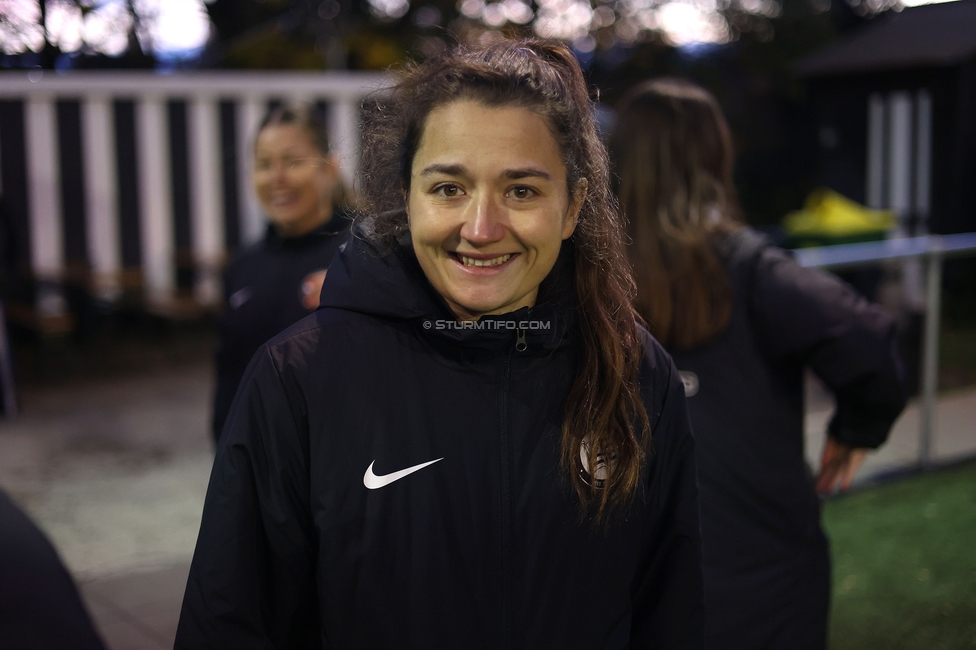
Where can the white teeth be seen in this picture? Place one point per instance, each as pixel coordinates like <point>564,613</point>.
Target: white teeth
<point>278,198</point>
<point>470,261</point>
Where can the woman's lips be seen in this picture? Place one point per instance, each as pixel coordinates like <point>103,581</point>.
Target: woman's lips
<point>493,261</point>
<point>280,198</point>
<point>483,263</point>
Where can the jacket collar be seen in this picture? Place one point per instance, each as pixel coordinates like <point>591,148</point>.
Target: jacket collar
<point>391,285</point>
<point>338,223</point>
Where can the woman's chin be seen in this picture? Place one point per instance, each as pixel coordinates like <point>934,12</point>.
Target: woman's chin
<point>290,223</point>
<point>474,307</point>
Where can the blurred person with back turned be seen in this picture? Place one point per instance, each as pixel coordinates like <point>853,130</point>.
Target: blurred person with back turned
<point>277,281</point>
<point>471,443</point>
<point>742,320</point>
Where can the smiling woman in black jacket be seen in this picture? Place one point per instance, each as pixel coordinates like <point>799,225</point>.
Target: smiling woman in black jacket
<point>276,281</point>
<point>471,444</point>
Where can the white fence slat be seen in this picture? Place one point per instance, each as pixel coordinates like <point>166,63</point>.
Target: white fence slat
<point>44,188</point>
<point>207,206</point>
<point>250,110</point>
<point>44,192</point>
<point>900,153</point>
<point>156,202</point>
<point>101,195</point>
<point>344,132</point>
<point>876,152</point>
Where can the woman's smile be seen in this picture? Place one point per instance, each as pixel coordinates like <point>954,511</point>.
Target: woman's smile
<point>474,262</point>
<point>282,199</point>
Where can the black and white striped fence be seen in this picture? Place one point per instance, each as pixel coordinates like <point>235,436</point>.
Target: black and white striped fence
<point>142,178</point>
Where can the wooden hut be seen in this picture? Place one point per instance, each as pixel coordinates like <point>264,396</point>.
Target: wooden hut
<point>896,111</point>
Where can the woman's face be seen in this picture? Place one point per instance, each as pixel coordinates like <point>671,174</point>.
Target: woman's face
<point>292,179</point>
<point>488,206</point>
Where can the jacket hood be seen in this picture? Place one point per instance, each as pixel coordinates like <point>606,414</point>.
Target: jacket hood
<point>390,284</point>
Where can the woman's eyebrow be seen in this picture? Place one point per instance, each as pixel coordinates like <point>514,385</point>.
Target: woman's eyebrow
<point>527,172</point>
<point>449,170</point>
<point>461,170</point>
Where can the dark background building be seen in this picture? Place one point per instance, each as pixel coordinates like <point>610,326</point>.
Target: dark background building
<point>895,104</point>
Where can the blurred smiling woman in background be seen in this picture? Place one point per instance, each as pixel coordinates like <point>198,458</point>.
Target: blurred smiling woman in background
<point>277,281</point>
<point>392,478</point>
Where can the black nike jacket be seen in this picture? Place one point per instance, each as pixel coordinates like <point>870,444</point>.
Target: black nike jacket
<point>263,295</point>
<point>386,480</point>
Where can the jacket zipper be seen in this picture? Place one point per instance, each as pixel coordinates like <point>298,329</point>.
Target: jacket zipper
<point>520,344</point>
<point>506,487</point>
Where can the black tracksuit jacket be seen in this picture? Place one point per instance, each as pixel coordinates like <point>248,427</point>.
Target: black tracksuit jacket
<point>484,547</point>
<point>263,296</point>
<point>767,567</point>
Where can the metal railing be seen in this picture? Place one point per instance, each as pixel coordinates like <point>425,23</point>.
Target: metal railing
<point>933,249</point>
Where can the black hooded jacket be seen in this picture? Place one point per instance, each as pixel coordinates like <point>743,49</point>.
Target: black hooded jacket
<point>767,567</point>
<point>386,480</point>
<point>263,296</point>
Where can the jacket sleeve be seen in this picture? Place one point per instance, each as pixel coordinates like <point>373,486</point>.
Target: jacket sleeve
<point>668,596</point>
<point>810,317</point>
<point>251,582</point>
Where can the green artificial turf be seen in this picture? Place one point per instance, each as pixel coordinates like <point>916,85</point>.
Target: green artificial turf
<point>904,557</point>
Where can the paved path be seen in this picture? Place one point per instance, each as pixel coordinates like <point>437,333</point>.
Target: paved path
<point>115,472</point>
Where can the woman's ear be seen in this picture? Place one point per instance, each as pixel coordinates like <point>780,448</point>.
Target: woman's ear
<point>575,206</point>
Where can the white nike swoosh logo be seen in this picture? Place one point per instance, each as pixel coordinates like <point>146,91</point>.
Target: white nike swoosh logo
<point>374,482</point>
<point>239,297</point>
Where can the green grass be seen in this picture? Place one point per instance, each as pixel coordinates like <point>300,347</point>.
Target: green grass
<point>905,564</point>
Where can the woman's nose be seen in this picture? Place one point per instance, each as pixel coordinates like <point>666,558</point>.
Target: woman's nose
<point>484,222</point>
<point>279,171</point>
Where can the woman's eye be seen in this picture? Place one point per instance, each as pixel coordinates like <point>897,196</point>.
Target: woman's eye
<point>521,192</point>
<point>448,191</point>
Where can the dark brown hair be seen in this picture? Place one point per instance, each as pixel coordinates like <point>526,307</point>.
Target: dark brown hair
<point>304,116</point>
<point>604,407</point>
<point>673,154</point>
